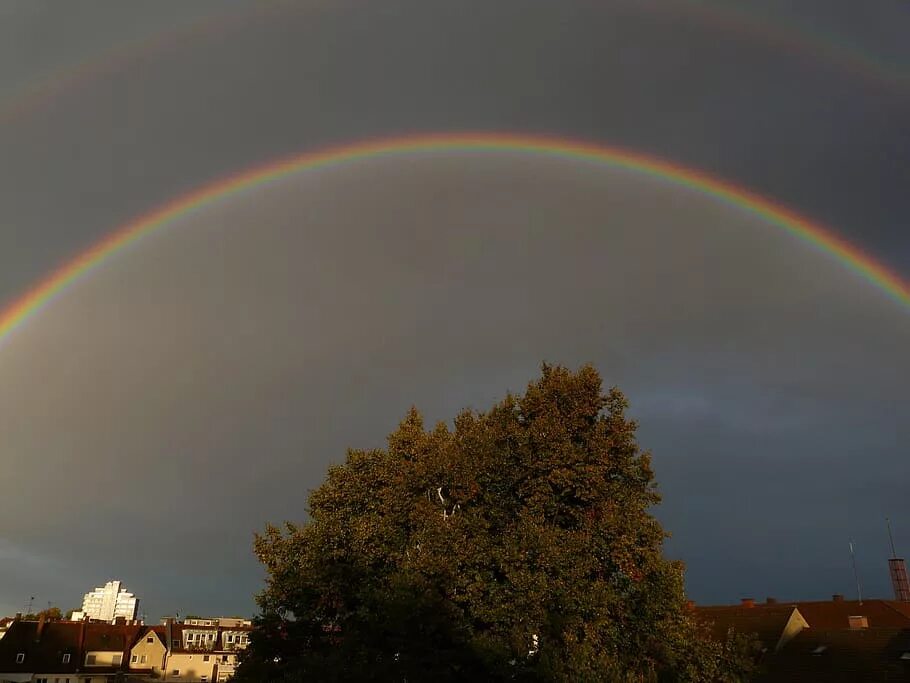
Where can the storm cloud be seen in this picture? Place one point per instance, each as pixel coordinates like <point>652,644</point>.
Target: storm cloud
<point>198,384</point>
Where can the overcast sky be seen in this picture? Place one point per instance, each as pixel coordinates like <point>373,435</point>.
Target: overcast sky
<point>197,385</point>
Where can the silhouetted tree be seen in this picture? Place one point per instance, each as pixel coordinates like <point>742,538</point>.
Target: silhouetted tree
<point>517,546</point>
<point>50,614</point>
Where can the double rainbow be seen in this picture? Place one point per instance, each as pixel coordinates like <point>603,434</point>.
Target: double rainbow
<point>16,314</point>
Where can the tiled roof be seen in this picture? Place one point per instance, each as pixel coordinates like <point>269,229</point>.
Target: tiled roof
<point>44,655</point>
<point>842,656</point>
<point>110,638</point>
<point>767,622</point>
<point>834,614</point>
<point>156,631</point>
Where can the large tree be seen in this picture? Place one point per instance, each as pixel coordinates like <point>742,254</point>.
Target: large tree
<point>518,545</point>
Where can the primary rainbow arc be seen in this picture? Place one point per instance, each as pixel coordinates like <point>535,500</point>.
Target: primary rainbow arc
<point>26,306</point>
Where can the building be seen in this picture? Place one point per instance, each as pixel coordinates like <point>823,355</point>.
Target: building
<point>199,650</point>
<point>98,652</point>
<point>107,603</point>
<point>842,656</point>
<point>836,641</point>
<point>772,624</point>
<point>39,651</point>
<point>64,651</point>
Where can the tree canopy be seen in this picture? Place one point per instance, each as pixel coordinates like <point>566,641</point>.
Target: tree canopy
<point>51,614</point>
<point>517,545</point>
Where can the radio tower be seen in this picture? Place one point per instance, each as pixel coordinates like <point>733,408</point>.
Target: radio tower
<point>898,569</point>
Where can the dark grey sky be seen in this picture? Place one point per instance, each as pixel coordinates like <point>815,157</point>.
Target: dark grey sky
<point>197,386</point>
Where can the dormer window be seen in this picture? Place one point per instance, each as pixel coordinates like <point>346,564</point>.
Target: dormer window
<point>819,649</point>
<point>20,657</point>
<point>858,622</point>
<point>66,658</point>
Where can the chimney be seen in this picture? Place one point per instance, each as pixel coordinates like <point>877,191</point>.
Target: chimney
<point>169,632</point>
<point>748,602</point>
<point>899,579</point>
<point>770,601</point>
<point>80,655</point>
<point>837,597</point>
<point>42,619</point>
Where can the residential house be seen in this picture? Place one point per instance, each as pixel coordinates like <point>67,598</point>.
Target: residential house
<point>839,613</point>
<point>774,625</point>
<point>841,655</point>
<point>837,640</point>
<point>188,652</point>
<point>44,652</point>
<point>148,656</point>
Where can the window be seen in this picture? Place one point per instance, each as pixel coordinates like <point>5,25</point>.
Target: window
<point>142,659</point>
<point>118,659</point>
<point>205,658</point>
<point>134,659</point>
<point>66,658</point>
<point>191,637</point>
<point>89,660</point>
<point>204,678</point>
<point>175,672</point>
<point>230,637</point>
<point>20,657</point>
<point>857,622</point>
<point>150,639</point>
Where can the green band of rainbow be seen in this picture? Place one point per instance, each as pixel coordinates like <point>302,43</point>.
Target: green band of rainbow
<point>825,240</point>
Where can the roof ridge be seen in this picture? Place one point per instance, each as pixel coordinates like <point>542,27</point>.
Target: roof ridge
<point>895,609</point>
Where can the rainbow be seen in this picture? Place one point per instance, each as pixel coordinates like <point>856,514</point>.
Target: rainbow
<point>25,307</point>
<point>721,16</point>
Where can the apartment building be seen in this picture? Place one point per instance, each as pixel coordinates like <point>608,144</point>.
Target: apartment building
<point>108,602</point>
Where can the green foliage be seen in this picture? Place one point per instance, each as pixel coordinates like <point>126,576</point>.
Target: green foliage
<point>50,614</point>
<point>517,546</point>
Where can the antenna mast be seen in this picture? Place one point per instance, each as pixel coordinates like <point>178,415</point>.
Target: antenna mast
<point>890,537</point>
<point>859,589</point>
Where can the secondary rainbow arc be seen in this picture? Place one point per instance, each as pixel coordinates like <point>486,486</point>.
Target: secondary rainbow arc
<point>27,305</point>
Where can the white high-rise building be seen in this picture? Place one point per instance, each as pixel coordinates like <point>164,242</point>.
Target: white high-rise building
<point>108,602</point>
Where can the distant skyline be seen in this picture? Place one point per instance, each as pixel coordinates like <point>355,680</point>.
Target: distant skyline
<point>196,386</point>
